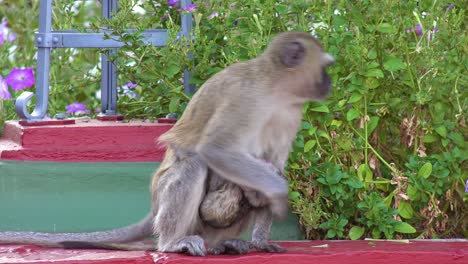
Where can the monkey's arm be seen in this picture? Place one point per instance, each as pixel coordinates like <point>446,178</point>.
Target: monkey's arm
<point>223,147</point>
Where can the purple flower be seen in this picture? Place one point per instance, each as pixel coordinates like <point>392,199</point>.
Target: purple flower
<point>173,3</point>
<point>4,93</point>
<point>131,85</point>
<point>451,6</point>
<point>189,8</point>
<point>418,29</point>
<point>213,15</point>
<point>77,108</point>
<point>466,186</point>
<point>126,90</point>
<point>5,32</point>
<point>20,78</point>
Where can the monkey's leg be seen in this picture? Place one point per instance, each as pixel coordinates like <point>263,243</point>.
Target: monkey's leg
<point>231,247</point>
<point>180,192</point>
<point>261,232</point>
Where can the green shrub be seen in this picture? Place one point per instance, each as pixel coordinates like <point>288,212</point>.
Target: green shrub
<point>383,157</point>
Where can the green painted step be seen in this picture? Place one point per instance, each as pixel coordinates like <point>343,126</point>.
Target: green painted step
<point>77,197</point>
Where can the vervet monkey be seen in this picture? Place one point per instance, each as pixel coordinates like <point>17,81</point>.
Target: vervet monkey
<point>225,157</point>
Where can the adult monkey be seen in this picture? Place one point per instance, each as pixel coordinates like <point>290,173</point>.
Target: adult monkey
<point>224,160</point>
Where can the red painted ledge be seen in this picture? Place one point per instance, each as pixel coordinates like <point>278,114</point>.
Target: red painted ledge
<point>301,252</point>
<point>86,140</point>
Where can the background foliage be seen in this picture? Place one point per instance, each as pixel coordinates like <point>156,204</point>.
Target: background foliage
<point>383,157</point>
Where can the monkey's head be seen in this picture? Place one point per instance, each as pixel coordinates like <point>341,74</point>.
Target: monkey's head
<point>300,61</point>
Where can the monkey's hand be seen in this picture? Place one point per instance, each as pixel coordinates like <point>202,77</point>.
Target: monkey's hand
<point>264,246</point>
<point>279,205</point>
<point>248,172</point>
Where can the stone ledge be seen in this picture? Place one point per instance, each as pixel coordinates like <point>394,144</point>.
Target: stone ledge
<point>89,140</point>
<point>298,252</point>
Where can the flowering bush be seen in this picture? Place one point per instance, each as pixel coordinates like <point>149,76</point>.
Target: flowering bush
<point>383,157</point>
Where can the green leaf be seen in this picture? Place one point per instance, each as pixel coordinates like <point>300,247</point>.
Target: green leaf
<point>371,83</point>
<point>336,123</point>
<point>356,232</point>
<point>331,233</point>
<point>354,183</point>
<point>212,70</point>
<point>321,108</point>
<point>458,139</point>
<point>372,65</point>
<point>405,228</point>
<point>305,125</point>
<point>354,98</point>
<point>294,166</point>
<point>444,142</point>
<point>322,181</point>
<point>405,209</point>
<point>294,196</point>
<point>394,64</point>
<point>282,9</point>
<point>309,145</point>
<point>374,73</point>
<point>425,170</point>
<point>430,138</point>
<point>385,28</point>
<point>441,130</point>
<point>323,134</point>
<point>372,54</point>
<point>343,221</point>
<point>413,193</point>
<point>171,70</point>
<point>373,122</point>
<point>364,173</point>
<point>388,200</point>
<point>339,21</point>
<point>375,233</point>
<point>312,130</point>
<point>174,105</point>
<point>352,114</point>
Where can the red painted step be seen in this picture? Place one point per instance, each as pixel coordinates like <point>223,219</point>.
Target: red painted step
<point>317,252</point>
<point>92,140</point>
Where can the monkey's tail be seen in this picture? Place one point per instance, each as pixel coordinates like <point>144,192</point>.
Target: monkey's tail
<point>134,232</point>
<point>131,246</point>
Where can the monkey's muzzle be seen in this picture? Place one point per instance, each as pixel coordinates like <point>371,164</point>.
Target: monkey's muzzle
<point>324,86</point>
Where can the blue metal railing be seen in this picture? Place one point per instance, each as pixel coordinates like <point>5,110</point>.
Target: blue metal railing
<point>46,40</point>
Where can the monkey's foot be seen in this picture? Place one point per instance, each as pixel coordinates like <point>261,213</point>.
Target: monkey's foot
<point>231,247</point>
<point>192,245</point>
<point>264,246</point>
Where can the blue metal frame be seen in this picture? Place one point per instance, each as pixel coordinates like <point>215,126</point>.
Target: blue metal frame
<point>46,39</point>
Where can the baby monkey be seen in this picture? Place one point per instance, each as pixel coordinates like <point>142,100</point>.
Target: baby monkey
<point>223,168</point>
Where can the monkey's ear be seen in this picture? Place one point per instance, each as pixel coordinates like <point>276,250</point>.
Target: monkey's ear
<point>292,54</point>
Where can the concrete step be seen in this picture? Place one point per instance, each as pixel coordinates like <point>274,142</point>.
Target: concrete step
<point>8,145</point>
<point>298,252</point>
<point>86,140</point>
